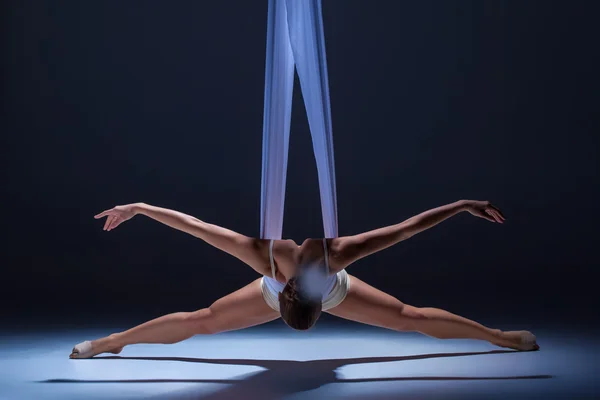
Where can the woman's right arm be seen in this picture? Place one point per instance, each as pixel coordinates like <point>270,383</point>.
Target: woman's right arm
<point>251,251</point>
<point>347,250</point>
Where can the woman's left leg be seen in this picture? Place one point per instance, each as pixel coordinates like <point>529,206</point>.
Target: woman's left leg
<point>241,309</point>
<point>369,305</point>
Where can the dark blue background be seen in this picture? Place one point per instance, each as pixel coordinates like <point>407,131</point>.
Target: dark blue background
<point>111,102</point>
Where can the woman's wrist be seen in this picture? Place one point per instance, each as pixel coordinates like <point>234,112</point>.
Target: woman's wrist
<point>463,205</point>
<point>138,208</point>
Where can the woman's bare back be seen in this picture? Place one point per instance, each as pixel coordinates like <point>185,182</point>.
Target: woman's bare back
<point>289,256</point>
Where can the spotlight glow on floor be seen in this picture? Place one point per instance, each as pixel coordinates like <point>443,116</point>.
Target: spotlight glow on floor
<point>265,363</point>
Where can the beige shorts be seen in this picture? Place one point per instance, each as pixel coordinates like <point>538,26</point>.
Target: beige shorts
<point>334,298</point>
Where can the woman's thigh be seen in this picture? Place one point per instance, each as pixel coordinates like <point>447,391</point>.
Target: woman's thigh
<point>241,309</point>
<point>369,305</point>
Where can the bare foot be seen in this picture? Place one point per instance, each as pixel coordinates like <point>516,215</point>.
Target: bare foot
<point>518,340</point>
<point>95,347</point>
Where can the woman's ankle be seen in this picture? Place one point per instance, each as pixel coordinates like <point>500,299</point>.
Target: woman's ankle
<point>498,336</point>
<point>498,333</point>
<point>112,341</point>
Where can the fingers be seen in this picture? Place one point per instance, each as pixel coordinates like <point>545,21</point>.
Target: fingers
<point>497,210</point>
<point>103,214</point>
<point>486,216</point>
<point>495,216</point>
<point>500,217</point>
<point>109,221</point>
<point>496,213</point>
<point>115,222</point>
<point>112,221</point>
<point>499,214</point>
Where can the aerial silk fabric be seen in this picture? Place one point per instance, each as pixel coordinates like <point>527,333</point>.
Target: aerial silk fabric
<point>295,39</point>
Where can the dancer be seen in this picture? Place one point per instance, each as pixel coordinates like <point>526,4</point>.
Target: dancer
<point>312,278</point>
<point>299,282</point>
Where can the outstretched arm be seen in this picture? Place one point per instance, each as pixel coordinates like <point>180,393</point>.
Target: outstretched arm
<point>249,250</point>
<point>346,250</point>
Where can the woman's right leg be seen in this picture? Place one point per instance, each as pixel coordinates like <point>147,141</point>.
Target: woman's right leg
<point>240,309</point>
<point>368,305</point>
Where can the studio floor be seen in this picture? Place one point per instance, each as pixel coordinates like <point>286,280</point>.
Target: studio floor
<point>275,363</point>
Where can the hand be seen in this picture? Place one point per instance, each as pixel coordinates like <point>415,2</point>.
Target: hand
<point>116,216</point>
<point>485,209</point>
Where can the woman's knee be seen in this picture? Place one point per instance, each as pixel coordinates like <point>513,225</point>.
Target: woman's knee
<point>202,322</point>
<point>410,319</point>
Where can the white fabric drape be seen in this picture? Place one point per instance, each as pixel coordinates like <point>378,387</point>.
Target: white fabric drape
<point>295,37</point>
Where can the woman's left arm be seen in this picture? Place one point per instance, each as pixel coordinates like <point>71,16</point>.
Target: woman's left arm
<point>346,250</point>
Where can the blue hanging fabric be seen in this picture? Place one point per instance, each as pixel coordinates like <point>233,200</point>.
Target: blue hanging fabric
<point>295,37</point>
<point>307,40</point>
<point>279,86</point>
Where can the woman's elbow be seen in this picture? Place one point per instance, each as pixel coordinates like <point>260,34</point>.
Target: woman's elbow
<point>346,250</point>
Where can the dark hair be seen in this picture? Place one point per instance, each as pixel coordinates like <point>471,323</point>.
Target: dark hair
<point>297,309</point>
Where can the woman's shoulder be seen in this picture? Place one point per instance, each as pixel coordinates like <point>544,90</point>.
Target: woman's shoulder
<point>310,249</point>
<point>284,244</point>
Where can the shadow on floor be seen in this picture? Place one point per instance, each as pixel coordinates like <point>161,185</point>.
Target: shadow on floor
<point>284,377</point>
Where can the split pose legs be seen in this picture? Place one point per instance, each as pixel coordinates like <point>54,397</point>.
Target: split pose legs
<point>246,307</point>
<point>364,303</point>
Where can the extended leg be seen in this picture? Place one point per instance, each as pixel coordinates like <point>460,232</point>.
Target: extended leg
<point>240,309</point>
<point>369,305</point>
